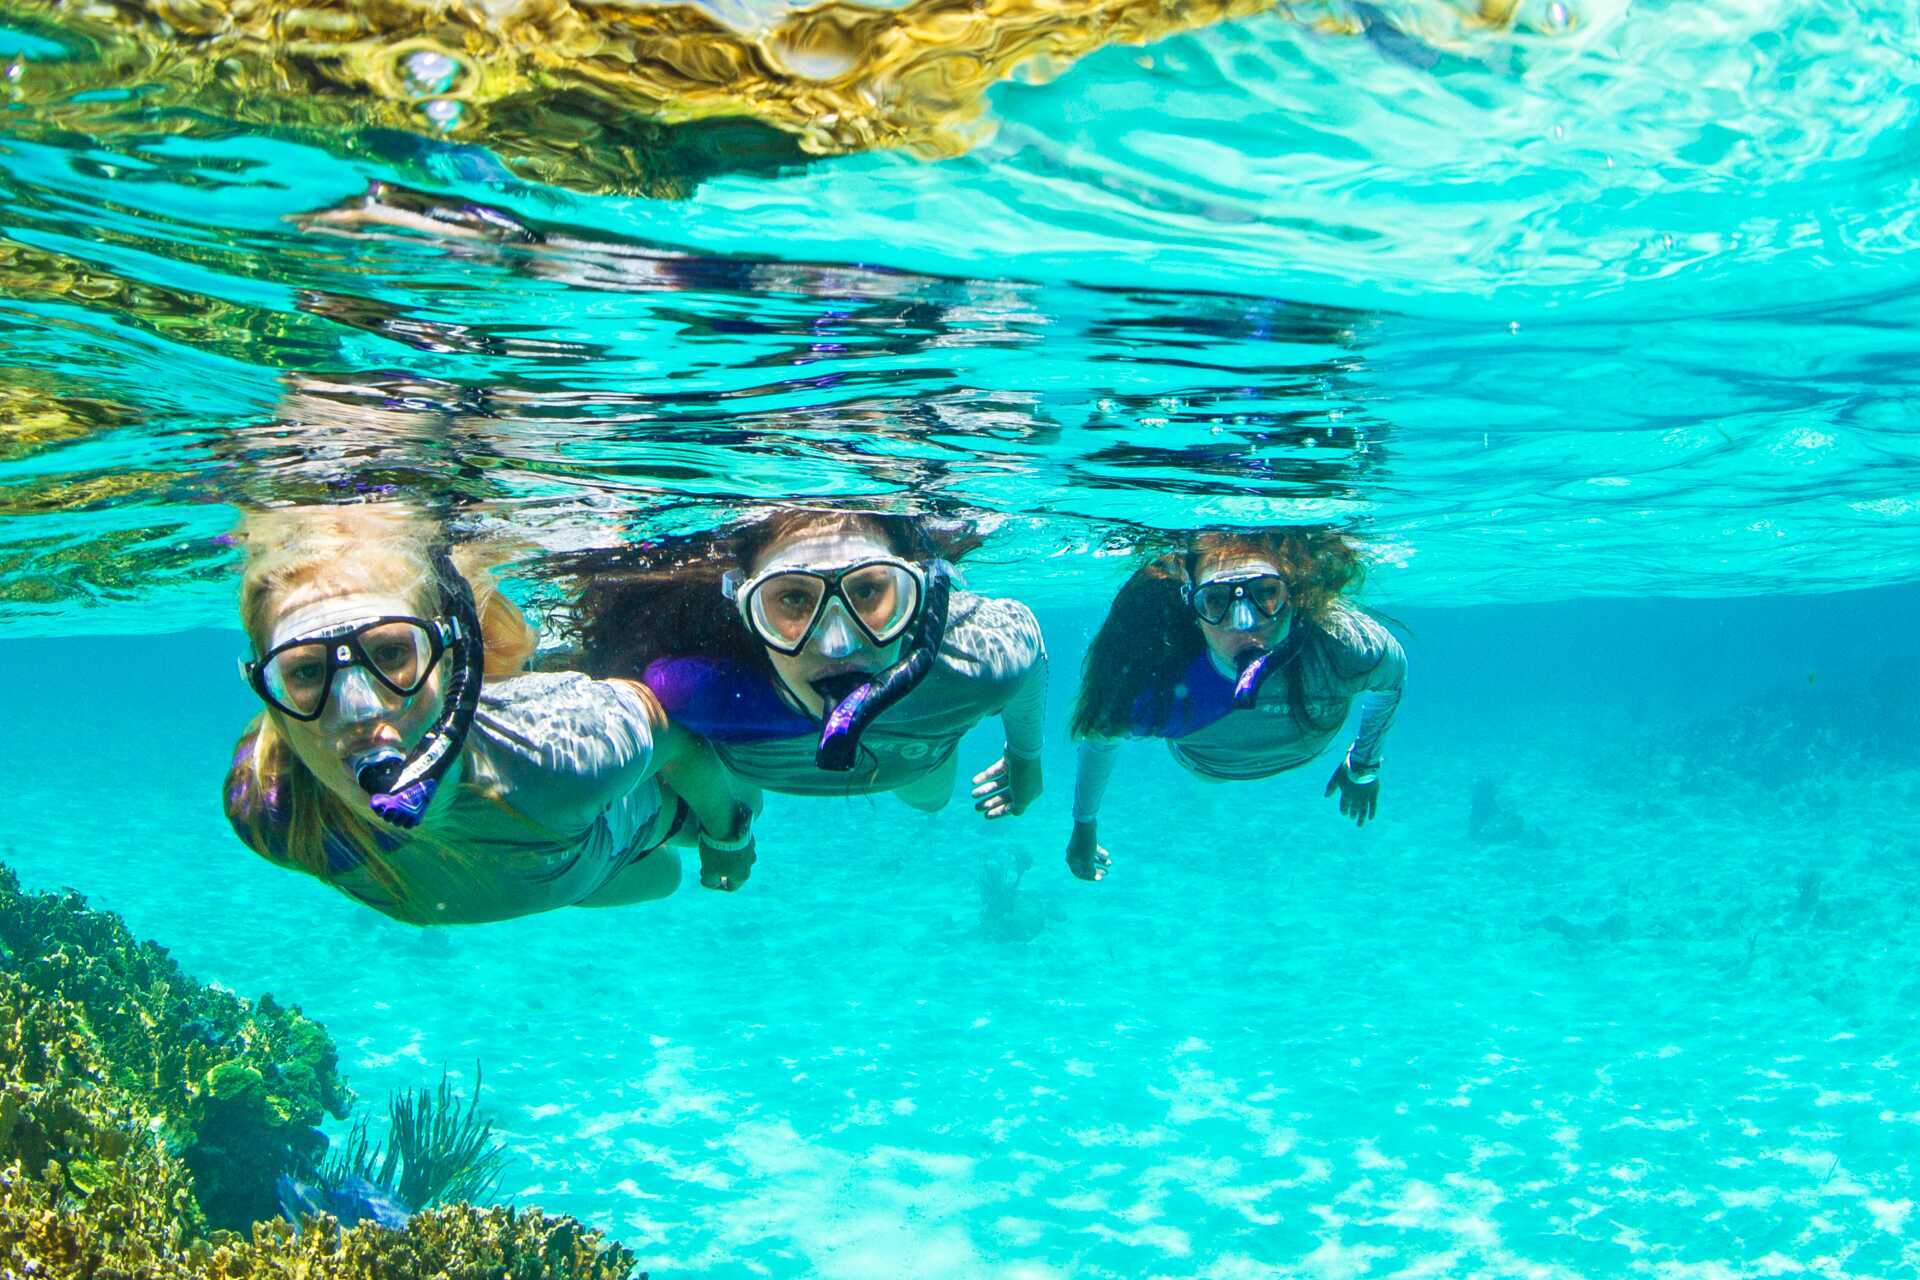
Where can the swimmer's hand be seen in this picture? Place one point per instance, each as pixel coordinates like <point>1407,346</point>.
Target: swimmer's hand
<point>1007,786</point>
<point>1358,800</point>
<point>726,864</point>
<point>1085,857</point>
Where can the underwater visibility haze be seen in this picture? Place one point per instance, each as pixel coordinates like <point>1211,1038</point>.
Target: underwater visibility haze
<point>1583,333</point>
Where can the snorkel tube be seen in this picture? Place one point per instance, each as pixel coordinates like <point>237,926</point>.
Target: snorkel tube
<point>1257,664</point>
<point>855,700</point>
<point>398,789</point>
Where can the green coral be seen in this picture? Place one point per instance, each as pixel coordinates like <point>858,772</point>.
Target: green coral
<point>112,1111</point>
<point>241,1089</point>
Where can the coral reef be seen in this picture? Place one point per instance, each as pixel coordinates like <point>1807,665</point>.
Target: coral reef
<point>1863,723</point>
<point>1003,916</point>
<point>240,1089</point>
<point>139,1109</point>
<point>1491,819</point>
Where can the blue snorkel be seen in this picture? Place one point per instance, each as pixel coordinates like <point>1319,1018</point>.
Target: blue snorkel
<point>856,700</point>
<point>399,789</point>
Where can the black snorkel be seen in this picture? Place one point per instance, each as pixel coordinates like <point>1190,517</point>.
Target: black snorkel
<point>400,789</point>
<point>855,699</point>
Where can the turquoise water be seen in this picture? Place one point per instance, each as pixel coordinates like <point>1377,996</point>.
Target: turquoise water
<point>1600,342</point>
<point>1267,1045</point>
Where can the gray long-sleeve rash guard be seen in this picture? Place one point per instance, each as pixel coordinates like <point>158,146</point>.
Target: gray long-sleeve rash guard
<point>555,797</point>
<point>1353,655</point>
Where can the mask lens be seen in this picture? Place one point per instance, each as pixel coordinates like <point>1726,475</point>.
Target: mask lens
<point>401,652</point>
<point>1213,600</point>
<point>297,677</point>
<point>1266,593</point>
<point>784,606</point>
<point>883,597</point>
<point>1269,594</point>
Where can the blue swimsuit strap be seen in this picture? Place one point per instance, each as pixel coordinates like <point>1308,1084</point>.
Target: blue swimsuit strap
<point>724,701</point>
<point>1203,697</point>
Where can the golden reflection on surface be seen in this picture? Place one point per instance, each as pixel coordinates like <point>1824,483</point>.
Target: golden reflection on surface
<point>599,96</point>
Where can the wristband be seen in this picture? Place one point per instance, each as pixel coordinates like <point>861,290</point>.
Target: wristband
<point>734,843</point>
<point>1362,779</point>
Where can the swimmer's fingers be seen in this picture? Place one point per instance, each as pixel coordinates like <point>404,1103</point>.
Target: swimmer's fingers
<point>993,794</point>
<point>1090,867</point>
<point>997,805</point>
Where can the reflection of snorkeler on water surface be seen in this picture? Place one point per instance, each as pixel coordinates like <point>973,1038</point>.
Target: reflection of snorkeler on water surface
<point>1243,653</point>
<point>884,311</point>
<point>826,653</point>
<point>334,436</point>
<point>405,759</point>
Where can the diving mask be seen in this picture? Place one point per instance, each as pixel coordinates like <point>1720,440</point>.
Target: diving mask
<point>1241,602</point>
<point>788,606</point>
<point>398,651</point>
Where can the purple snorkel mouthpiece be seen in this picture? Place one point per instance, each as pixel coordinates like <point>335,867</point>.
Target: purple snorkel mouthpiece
<point>840,735</point>
<point>1255,666</point>
<point>405,807</point>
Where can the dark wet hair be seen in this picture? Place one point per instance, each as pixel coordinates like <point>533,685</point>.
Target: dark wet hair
<point>663,599</point>
<point>1150,636</point>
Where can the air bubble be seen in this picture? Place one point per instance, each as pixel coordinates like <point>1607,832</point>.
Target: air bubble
<point>444,113</point>
<point>1559,19</point>
<point>429,72</point>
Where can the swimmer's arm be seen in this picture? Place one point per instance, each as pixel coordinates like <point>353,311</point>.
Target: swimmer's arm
<point>687,763</point>
<point>1097,758</point>
<point>1085,858</point>
<point>1025,715</point>
<point>1383,687</point>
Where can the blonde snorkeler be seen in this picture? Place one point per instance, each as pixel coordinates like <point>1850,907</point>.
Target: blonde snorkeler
<point>404,757</point>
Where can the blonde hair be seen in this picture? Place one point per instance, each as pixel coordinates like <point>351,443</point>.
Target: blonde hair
<point>275,803</point>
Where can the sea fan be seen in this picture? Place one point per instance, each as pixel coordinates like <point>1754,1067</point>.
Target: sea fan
<point>436,1151</point>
